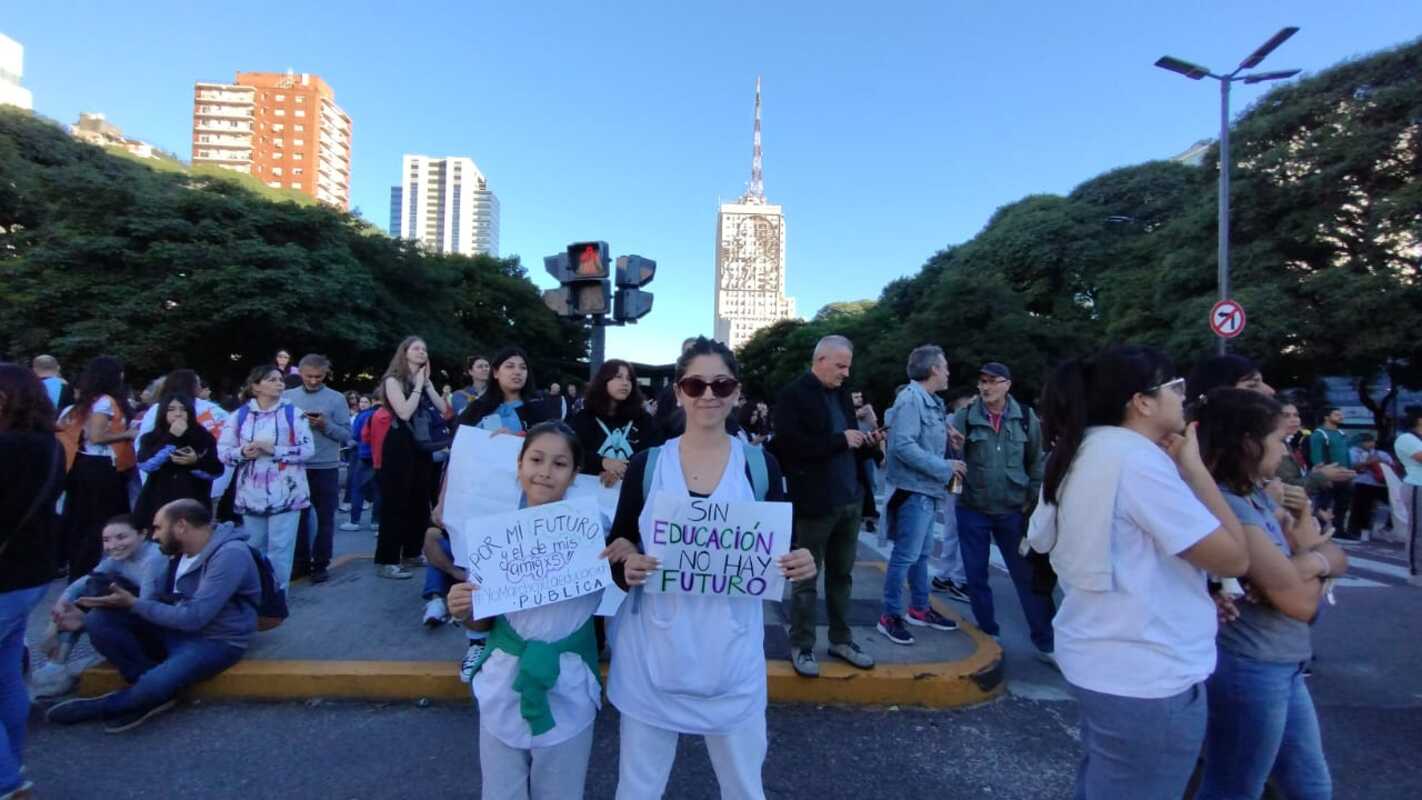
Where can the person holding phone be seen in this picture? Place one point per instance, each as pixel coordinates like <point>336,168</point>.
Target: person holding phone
<point>179,457</point>
<point>328,414</point>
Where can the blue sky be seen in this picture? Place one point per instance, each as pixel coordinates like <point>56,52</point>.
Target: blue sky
<point>890,130</point>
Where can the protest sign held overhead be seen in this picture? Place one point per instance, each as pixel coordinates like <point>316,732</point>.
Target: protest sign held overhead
<point>719,549</point>
<point>536,557</point>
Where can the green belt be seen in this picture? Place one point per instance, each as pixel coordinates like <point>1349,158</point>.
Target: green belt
<point>538,666</point>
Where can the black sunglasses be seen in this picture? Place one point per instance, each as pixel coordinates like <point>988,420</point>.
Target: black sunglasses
<point>696,387</point>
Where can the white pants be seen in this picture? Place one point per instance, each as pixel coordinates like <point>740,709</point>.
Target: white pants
<point>646,754</point>
<point>542,773</point>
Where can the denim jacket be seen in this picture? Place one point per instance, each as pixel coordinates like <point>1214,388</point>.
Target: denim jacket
<point>918,440</point>
<point>1004,465</point>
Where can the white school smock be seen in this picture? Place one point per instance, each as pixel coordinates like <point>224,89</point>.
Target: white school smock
<point>1153,634</point>
<point>689,663</point>
<point>574,699</point>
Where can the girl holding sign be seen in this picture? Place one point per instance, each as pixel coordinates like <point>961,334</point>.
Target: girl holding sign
<point>536,683</point>
<point>685,663</point>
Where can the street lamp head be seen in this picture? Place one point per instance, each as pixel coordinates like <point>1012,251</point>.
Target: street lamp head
<point>1271,76</point>
<point>1192,71</point>
<point>1268,47</point>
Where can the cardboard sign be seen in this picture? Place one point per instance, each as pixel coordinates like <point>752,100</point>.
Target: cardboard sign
<point>536,557</point>
<point>482,481</point>
<point>718,549</point>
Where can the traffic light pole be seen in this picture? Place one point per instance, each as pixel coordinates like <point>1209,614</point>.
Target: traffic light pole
<point>599,345</point>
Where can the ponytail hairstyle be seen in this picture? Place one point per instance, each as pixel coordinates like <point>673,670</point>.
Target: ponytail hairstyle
<point>1091,391</point>
<point>1233,427</point>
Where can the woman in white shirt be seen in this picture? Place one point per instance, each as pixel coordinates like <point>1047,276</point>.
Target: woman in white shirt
<point>1133,521</point>
<point>685,663</point>
<point>96,487</point>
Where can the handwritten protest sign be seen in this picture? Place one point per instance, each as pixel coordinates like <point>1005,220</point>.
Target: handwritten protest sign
<point>720,549</point>
<point>483,481</point>
<point>535,557</point>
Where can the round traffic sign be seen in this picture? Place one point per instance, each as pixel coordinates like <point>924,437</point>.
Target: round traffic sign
<point>1227,319</point>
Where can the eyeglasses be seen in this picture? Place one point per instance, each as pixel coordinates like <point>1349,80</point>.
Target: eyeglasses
<point>1176,385</point>
<point>692,386</point>
<point>985,381</point>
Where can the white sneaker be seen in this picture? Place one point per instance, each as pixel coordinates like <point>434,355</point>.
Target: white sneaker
<point>350,527</point>
<point>394,571</point>
<point>466,667</point>
<point>52,680</point>
<point>436,613</point>
<point>345,507</point>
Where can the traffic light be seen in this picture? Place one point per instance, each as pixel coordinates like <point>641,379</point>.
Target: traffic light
<point>582,269</point>
<point>631,303</point>
<point>588,283</point>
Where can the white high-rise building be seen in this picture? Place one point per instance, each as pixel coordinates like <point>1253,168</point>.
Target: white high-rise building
<point>446,205</point>
<point>12,69</point>
<point>750,259</point>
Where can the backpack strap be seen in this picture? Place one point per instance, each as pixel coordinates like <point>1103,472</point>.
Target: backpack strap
<point>759,472</point>
<point>242,413</point>
<point>652,454</point>
<point>291,424</point>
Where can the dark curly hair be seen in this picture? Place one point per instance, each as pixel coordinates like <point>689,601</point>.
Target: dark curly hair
<point>1234,426</point>
<point>24,404</point>
<point>101,376</point>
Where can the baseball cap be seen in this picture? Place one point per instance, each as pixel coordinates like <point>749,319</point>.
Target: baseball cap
<point>996,369</point>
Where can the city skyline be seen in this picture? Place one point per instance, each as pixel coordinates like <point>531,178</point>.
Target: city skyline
<point>894,134</point>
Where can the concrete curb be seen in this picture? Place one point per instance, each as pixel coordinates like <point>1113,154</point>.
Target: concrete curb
<point>943,684</point>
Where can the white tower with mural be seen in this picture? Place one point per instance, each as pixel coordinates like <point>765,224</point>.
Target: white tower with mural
<point>750,259</point>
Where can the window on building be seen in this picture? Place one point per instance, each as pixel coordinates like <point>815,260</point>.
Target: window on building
<point>280,112</point>
<point>298,171</point>
<point>277,126</point>
<point>280,97</point>
<point>297,156</point>
<point>298,142</point>
<point>300,128</point>
<point>274,184</point>
<point>301,98</point>
<point>300,112</point>
<point>295,185</point>
<point>276,155</point>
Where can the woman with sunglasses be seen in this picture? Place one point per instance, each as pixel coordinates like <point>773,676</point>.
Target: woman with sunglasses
<point>1133,521</point>
<point>686,663</point>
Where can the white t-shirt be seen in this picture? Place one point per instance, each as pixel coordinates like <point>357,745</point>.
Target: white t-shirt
<point>574,699</point>
<point>1407,446</point>
<point>185,565</point>
<point>1153,634</point>
<point>104,405</point>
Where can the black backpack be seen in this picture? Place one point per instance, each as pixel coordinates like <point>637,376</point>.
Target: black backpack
<point>271,605</point>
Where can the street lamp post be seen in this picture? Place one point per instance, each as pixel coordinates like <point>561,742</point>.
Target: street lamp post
<point>1195,72</point>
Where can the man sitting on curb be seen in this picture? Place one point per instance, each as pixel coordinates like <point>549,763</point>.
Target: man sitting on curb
<point>196,626</point>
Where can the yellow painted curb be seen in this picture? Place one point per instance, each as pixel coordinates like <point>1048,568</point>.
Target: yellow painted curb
<point>946,684</point>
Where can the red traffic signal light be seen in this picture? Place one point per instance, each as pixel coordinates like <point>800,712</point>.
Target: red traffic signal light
<point>588,260</point>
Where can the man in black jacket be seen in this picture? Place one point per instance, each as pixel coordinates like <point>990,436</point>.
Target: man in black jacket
<point>822,451</point>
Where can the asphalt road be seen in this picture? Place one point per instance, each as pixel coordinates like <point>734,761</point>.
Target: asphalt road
<point>1367,686</point>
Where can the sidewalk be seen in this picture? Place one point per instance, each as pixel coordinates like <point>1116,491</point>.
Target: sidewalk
<point>360,636</point>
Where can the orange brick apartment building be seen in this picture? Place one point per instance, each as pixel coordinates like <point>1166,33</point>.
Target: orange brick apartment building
<point>283,128</point>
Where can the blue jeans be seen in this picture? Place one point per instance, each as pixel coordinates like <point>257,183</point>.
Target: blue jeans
<point>952,553</point>
<point>437,581</point>
<point>15,610</point>
<point>363,485</point>
<point>325,499</point>
<point>1143,749</point>
<point>976,533</point>
<point>274,536</point>
<point>1262,723</point>
<point>911,528</point>
<point>158,662</point>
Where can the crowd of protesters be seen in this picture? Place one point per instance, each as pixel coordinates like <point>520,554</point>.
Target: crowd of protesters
<point>1185,525</point>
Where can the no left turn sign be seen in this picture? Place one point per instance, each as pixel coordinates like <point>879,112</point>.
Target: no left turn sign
<point>1227,319</point>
